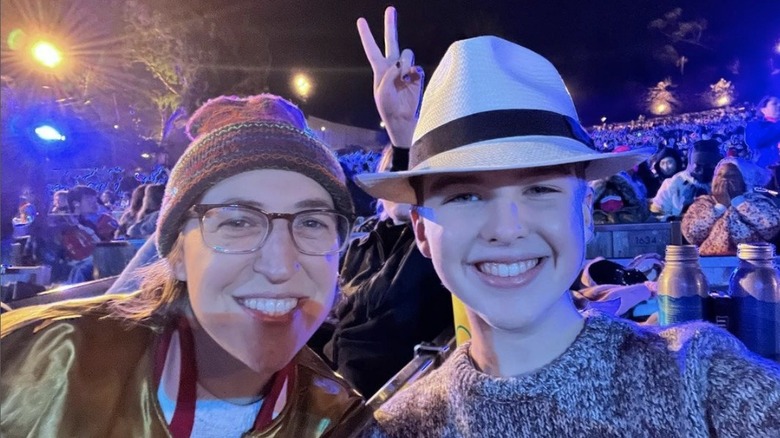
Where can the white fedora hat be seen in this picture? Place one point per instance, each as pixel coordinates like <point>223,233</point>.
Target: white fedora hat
<point>494,105</point>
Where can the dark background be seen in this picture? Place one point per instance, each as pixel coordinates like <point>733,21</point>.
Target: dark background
<point>603,49</point>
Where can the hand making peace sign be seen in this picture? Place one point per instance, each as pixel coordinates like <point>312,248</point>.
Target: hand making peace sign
<point>398,83</point>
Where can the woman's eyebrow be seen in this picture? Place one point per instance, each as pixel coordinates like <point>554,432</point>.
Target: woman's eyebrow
<point>304,204</point>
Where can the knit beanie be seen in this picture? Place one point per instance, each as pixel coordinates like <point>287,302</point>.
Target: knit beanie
<point>231,135</point>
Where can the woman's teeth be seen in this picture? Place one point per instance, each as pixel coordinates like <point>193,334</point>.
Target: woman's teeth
<point>270,306</point>
<point>506,269</point>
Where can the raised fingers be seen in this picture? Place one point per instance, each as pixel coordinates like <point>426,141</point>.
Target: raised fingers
<point>391,34</point>
<point>370,47</point>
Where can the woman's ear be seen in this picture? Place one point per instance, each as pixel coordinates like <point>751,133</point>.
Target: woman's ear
<point>179,271</point>
<point>418,225</point>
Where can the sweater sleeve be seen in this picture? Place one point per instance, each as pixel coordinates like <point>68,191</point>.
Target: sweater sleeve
<point>699,220</point>
<point>742,396</point>
<point>757,215</point>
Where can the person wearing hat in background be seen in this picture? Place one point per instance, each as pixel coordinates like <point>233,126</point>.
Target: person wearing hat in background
<point>497,174</point>
<point>254,216</point>
<point>733,213</point>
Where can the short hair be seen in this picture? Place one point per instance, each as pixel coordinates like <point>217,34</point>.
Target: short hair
<point>77,193</point>
<point>706,147</point>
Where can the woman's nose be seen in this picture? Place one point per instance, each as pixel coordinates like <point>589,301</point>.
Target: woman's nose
<point>278,258</point>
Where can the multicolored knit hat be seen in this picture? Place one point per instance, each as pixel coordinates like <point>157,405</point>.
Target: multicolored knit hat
<point>232,135</point>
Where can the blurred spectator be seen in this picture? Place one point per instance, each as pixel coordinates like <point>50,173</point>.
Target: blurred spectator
<point>131,212</point>
<point>677,193</point>
<point>24,217</point>
<point>763,136</point>
<point>733,213</point>
<point>619,199</point>
<point>662,165</point>
<point>146,220</point>
<point>60,203</point>
<point>108,200</point>
<point>83,202</point>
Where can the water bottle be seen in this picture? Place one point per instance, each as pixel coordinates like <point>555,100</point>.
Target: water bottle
<point>755,290</point>
<point>682,286</point>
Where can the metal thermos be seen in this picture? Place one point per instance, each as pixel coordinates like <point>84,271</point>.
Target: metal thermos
<point>755,291</point>
<point>682,286</point>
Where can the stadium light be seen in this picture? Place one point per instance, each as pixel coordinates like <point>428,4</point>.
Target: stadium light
<point>49,133</point>
<point>46,53</point>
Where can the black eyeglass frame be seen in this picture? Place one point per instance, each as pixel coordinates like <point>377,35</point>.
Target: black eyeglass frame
<point>198,211</point>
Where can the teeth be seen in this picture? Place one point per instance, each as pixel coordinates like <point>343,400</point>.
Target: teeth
<point>507,269</point>
<point>270,306</point>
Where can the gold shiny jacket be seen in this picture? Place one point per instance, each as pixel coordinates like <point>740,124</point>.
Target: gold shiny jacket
<point>85,375</point>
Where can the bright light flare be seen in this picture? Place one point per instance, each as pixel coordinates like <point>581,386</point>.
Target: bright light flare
<point>661,109</point>
<point>302,85</point>
<point>46,54</point>
<point>49,133</point>
<point>777,47</point>
<point>722,101</point>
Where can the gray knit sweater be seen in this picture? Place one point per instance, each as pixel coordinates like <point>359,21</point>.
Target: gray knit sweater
<point>616,380</point>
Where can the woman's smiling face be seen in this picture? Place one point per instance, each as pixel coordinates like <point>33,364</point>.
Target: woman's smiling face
<point>261,307</point>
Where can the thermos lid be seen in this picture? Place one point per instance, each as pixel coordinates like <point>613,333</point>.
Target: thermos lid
<point>679,253</point>
<point>756,251</point>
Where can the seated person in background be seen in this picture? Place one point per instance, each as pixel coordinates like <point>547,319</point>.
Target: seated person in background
<point>662,165</point>
<point>130,214</point>
<point>677,193</point>
<point>108,200</point>
<point>83,202</point>
<point>59,204</point>
<point>733,213</point>
<point>618,200</point>
<point>146,221</point>
<point>214,342</point>
<point>498,171</point>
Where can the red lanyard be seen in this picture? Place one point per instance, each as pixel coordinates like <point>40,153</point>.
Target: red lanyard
<point>184,414</point>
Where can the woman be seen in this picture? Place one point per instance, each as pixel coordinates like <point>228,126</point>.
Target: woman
<point>662,165</point>
<point>732,213</point>
<point>131,213</point>
<point>146,220</point>
<point>763,137</point>
<point>255,214</point>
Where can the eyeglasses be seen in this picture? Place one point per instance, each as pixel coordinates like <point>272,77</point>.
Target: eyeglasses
<point>241,229</point>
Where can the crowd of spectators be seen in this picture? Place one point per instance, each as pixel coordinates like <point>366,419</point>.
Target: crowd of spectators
<point>660,189</point>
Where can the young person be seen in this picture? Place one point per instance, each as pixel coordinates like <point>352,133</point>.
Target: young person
<point>498,172</point>
<point>254,216</point>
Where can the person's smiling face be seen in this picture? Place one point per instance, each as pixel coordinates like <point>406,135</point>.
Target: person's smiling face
<point>508,243</point>
<point>261,307</point>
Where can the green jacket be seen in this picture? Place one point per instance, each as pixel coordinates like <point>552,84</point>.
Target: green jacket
<point>85,375</point>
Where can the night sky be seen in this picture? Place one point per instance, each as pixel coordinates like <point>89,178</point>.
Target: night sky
<point>604,51</point>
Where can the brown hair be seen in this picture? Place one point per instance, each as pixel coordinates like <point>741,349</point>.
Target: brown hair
<point>162,296</point>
